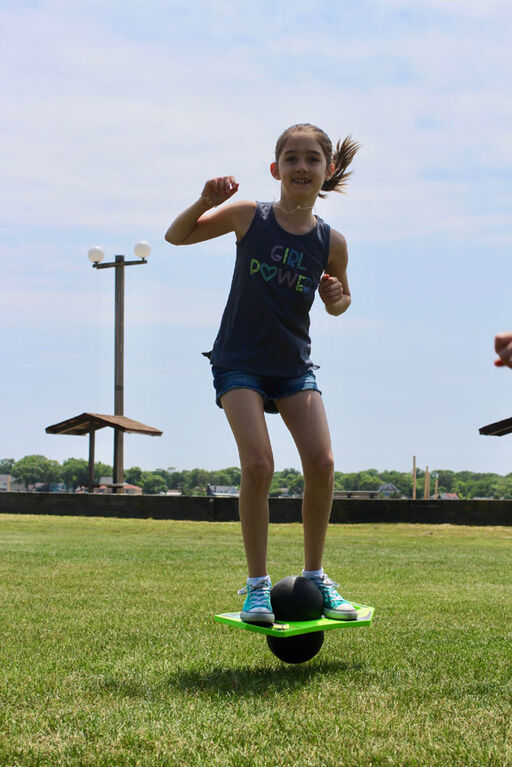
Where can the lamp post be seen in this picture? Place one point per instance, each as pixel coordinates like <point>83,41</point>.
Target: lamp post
<point>96,255</point>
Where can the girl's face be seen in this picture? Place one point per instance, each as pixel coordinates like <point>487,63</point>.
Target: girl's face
<point>302,166</point>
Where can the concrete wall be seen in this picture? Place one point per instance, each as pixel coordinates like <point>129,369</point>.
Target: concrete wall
<point>281,509</point>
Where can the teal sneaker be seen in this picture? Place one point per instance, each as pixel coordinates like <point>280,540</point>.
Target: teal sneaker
<point>257,606</point>
<point>334,605</point>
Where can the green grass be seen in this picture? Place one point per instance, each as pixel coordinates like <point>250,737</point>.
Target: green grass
<point>109,654</point>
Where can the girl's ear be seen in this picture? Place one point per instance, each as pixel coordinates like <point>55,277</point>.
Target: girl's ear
<point>274,170</point>
<point>330,170</point>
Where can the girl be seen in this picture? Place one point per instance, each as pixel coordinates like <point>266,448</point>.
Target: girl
<point>260,358</point>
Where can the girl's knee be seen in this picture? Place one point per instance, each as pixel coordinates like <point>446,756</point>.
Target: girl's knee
<point>320,466</point>
<point>258,468</point>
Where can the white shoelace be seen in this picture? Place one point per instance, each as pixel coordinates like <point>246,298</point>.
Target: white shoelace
<point>328,586</point>
<point>259,593</point>
<point>324,580</point>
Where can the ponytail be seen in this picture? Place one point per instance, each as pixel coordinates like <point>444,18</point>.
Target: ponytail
<point>341,158</point>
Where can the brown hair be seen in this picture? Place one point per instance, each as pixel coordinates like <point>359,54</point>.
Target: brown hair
<point>342,155</point>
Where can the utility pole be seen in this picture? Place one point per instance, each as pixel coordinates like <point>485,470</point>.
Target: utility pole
<point>426,491</point>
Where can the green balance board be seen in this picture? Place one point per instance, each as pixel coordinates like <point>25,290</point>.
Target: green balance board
<point>294,628</point>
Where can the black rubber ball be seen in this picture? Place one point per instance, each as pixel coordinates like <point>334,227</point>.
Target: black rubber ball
<point>296,599</point>
<point>296,649</point>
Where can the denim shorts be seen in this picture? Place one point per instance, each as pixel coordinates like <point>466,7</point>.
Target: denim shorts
<point>270,387</point>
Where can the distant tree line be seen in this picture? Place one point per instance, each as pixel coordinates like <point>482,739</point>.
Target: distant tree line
<point>34,469</point>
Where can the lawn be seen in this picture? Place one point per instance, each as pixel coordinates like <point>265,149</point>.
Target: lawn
<point>109,654</point>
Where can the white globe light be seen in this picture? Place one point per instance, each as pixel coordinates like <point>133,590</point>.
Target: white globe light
<point>142,249</point>
<point>96,255</point>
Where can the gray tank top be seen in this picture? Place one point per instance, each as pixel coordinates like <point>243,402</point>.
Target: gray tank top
<point>265,325</point>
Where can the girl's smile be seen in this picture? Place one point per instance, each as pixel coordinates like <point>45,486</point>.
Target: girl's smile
<point>302,166</point>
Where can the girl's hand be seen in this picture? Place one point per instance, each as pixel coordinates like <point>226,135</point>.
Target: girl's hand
<point>503,347</point>
<point>218,190</point>
<point>330,289</point>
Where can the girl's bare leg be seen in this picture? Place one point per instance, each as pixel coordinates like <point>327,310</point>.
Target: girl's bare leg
<point>304,415</point>
<point>244,411</point>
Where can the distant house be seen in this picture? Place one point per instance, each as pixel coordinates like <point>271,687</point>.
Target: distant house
<point>132,489</point>
<point>173,492</point>
<point>448,497</point>
<point>105,486</point>
<point>9,485</point>
<point>222,491</point>
<point>356,494</point>
<point>389,489</point>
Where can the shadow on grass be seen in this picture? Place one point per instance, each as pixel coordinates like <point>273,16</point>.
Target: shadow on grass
<point>229,682</point>
<point>248,681</point>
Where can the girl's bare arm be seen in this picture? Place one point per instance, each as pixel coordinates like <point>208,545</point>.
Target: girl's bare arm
<point>334,290</point>
<point>196,224</point>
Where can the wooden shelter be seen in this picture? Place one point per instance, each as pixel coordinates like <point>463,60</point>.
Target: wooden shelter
<point>498,429</point>
<point>89,423</point>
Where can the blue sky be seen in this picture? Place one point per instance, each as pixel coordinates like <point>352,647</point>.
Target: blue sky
<point>116,115</point>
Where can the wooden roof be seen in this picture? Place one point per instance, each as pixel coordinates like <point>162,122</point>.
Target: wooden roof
<point>497,429</point>
<point>82,424</point>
